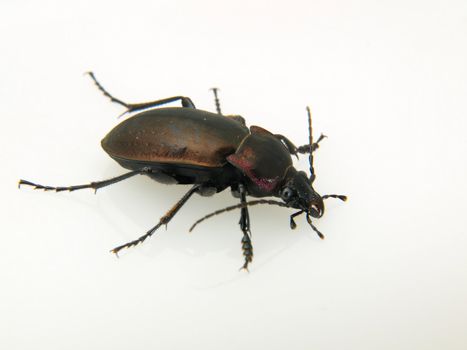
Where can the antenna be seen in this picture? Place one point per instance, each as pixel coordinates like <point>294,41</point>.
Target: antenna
<point>310,145</point>
<point>216,100</point>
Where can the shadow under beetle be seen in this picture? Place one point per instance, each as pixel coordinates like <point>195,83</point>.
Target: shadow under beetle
<point>185,145</point>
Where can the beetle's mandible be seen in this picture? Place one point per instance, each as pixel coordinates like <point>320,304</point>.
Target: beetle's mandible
<point>211,152</point>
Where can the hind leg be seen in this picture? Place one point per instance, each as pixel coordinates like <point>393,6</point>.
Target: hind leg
<point>94,185</point>
<point>132,107</point>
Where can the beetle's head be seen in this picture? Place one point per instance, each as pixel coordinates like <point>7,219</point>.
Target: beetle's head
<point>298,193</point>
<point>297,190</point>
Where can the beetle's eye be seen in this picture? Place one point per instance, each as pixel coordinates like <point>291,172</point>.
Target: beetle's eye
<point>286,193</point>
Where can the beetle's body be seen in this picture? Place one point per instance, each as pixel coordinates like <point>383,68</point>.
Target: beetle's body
<point>212,152</point>
<point>180,145</point>
<point>191,146</point>
<point>176,135</point>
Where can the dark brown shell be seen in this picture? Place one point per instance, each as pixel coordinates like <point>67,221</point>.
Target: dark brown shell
<point>177,136</point>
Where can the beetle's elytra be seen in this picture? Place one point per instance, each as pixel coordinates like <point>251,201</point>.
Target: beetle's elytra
<point>211,152</point>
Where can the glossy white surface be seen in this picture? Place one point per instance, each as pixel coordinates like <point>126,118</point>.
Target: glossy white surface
<point>386,82</point>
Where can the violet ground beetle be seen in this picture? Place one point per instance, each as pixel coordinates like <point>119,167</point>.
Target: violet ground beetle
<point>211,152</point>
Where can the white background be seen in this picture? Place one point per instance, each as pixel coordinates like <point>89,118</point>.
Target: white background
<point>387,83</point>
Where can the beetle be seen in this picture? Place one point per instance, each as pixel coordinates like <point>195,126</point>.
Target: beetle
<point>211,152</point>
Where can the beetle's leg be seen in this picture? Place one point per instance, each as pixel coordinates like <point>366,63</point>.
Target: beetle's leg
<point>306,148</point>
<point>294,150</point>
<point>163,221</point>
<point>186,102</point>
<point>288,144</point>
<point>245,227</point>
<point>93,185</point>
<point>132,107</point>
<point>104,91</point>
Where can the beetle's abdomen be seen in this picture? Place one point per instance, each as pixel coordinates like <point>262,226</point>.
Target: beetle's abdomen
<point>175,135</point>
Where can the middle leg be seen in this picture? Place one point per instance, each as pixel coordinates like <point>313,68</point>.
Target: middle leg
<point>247,247</point>
<point>162,221</point>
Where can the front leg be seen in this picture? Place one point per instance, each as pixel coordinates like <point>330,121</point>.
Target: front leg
<point>245,227</point>
<point>306,148</point>
<point>294,150</point>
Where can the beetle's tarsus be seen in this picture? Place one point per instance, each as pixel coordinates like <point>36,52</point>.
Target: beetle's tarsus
<point>35,186</point>
<point>104,91</point>
<point>244,267</point>
<point>244,222</point>
<point>23,182</point>
<point>293,224</point>
<point>135,242</point>
<point>133,107</point>
<point>247,250</point>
